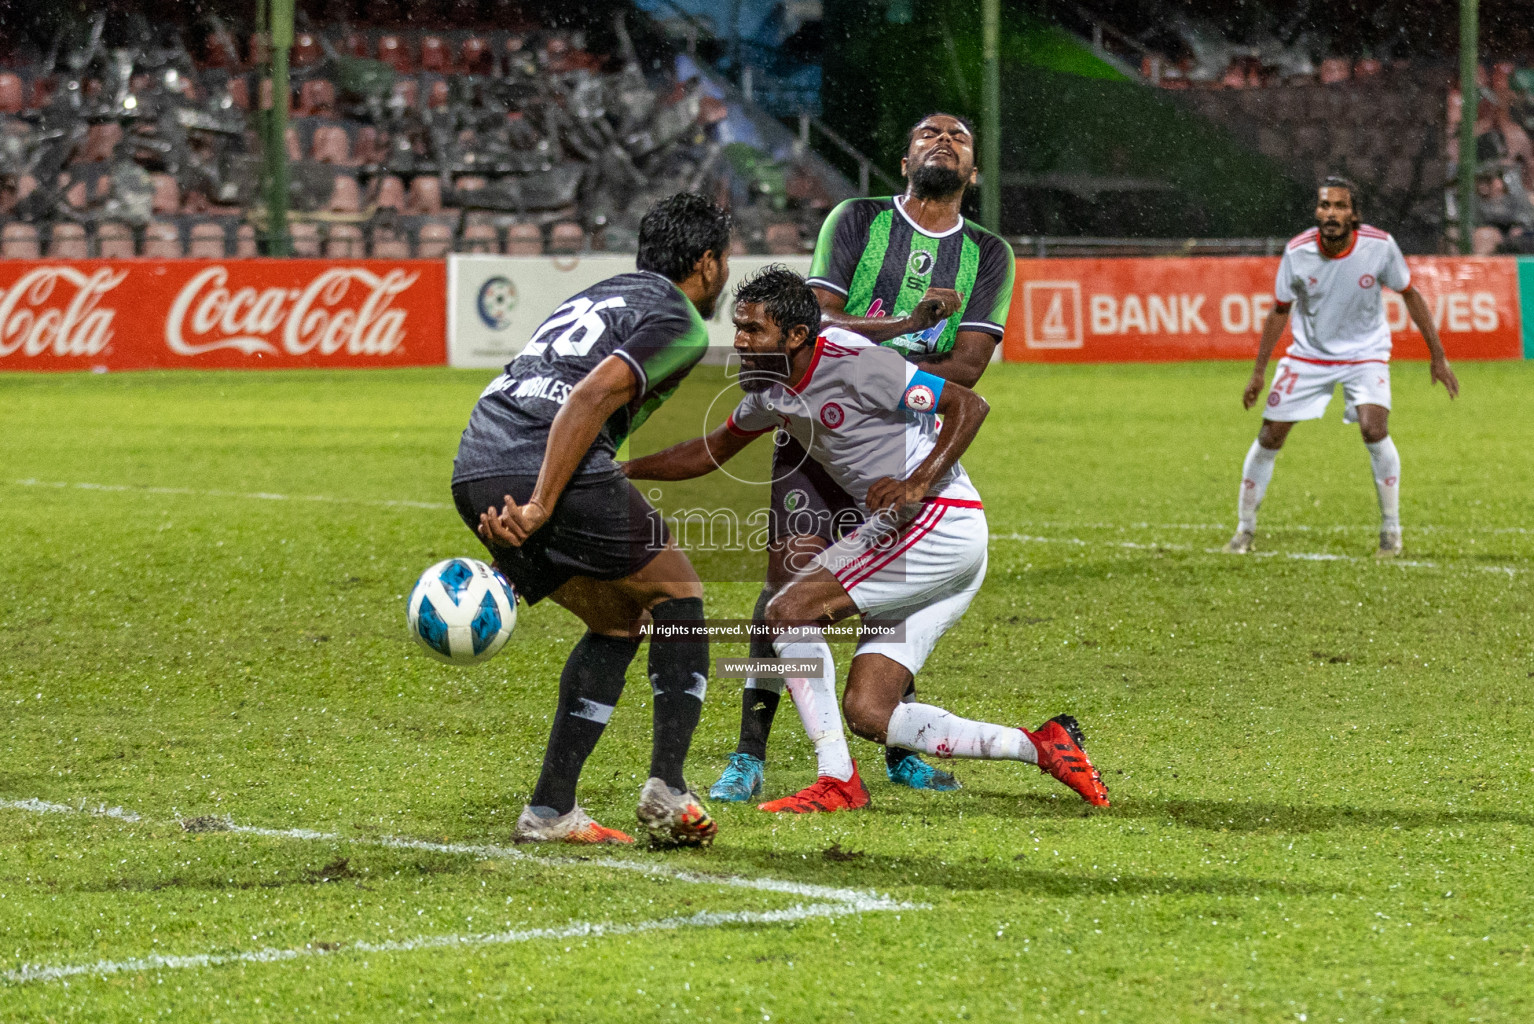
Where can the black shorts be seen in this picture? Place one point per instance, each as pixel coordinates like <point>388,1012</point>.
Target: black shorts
<point>805,500</point>
<point>601,528</point>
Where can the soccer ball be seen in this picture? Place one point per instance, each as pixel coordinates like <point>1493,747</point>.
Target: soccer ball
<point>462,611</point>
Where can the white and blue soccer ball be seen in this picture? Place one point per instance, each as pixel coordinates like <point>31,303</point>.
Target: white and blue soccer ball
<point>462,611</point>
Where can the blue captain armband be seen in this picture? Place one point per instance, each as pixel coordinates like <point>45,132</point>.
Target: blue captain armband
<point>922,393</point>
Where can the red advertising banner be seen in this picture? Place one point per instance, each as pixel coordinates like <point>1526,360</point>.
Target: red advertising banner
<point>1156,310</point>
<point>221,314</point>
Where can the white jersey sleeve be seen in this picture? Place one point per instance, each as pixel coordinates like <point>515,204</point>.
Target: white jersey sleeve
<point>883,375</point>
<point>1396,275</point>
<point>753,416</point>
<point>1283,283</point>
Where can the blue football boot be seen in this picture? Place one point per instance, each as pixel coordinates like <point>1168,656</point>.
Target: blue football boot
<point>742,779</point>
<point>906,769</point>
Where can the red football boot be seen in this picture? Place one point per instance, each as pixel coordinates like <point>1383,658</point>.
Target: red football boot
<point>826,794</point>
<point>1059,742</point>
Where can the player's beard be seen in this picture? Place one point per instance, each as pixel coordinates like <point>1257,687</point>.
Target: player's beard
<point>931,181</point>
<point>761,371</point>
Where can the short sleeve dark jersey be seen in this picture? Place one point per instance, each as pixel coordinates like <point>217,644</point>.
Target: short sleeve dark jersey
<point>872,253</point>
<point>642,318</point>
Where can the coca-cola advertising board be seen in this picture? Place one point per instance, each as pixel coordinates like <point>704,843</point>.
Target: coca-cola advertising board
<point>221,314</point>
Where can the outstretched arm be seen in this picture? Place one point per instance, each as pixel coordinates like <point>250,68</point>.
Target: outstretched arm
<point>599,394</point>
<point>963,411</point>
<point>1272,330</point>
<point>695,458</point>
<point>936,304</point>
<point>1438,369</point>
<point>971,354</point>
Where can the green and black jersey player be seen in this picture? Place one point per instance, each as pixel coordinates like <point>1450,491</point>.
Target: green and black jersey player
<point>910,272</point>
<point>536,480</point>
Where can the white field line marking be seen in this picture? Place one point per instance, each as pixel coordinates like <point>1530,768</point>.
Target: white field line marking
<point>576,929</point>
<point>433,505</point>
<point>1302,556</point>
<point>837,902</point>
<point>1299,527</point>
<point>437,506</point>
<point>251,495</point>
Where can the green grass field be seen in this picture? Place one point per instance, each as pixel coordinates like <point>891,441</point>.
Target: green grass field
<point>1320,765</point>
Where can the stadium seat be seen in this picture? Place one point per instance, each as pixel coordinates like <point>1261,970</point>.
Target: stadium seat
<point>12,95</point>
<point>331,144</point>
<point>388,193</point>
<point>782,239</point>
<point>1485,240</point>
<point>355,44</point>
<point>435,55</point>
<point>220,50</point>
<point>206,240</point>
<point>167,194</point>
<point>239,92</point>
<point>316,97</point>
<point>19,242</point>
<point>306,239</point>
<point>524,240</point>
<point>407,92</point>
<point>434,240</point>
<point>390,242</point>
<point>738,246</point>
<point>393,52</point>
<point>344,242</point>
<point>245,242</point>
<point>1336,69</point>
<point>76,192</point>
<point>260,53</point>
<point>345,195</point>
<point>475,56</point>
<point>100,143</point>
<point>114,241</point>
<point>425,195</point>
<point>162,240</point>
<point>470,182</point>
<point>372,146</point>
<point>566,237</point>
<point>437,94</point>
<point>66,241</point>
<point>479,238</point>
<point>306,50</point>
<point>1368,67</point>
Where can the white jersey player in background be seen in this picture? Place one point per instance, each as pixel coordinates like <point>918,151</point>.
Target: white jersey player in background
<point>1330,278</point>
<point>870,419</point>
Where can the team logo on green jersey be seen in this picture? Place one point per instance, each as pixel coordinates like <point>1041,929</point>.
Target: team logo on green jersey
<point>921,262</point>
<point>794,498</point>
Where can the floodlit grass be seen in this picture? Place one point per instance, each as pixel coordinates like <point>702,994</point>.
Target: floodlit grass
<point>1320,766</point>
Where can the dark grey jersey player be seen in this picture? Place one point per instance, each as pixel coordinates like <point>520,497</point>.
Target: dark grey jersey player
<point>536,480</point>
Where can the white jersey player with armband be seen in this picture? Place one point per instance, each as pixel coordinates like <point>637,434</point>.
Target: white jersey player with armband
<point>1329,280</point>
<point>870,419</point>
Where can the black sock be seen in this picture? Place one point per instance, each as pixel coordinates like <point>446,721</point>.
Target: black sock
<point>588,688</point>
<point>757,707</point>
<point>679,679</point>
<point>894,755</point>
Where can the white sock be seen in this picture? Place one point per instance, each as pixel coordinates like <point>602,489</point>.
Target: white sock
<point>1256,471</point>
<point>815,700</point>
<point>1386,463</point>
<point>935,731</point>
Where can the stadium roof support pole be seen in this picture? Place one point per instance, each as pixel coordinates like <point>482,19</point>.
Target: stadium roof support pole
<point>990,118</point>
<point>1469,91</point>
<point>279,242</point>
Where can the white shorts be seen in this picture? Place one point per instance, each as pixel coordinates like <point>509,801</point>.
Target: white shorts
<point>916,580</point>
<point>1302,388</point>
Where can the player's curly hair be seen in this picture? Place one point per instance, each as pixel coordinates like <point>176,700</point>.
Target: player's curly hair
<point>1354,197</point>
<point>785,297</point>
<point>677,231</point>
